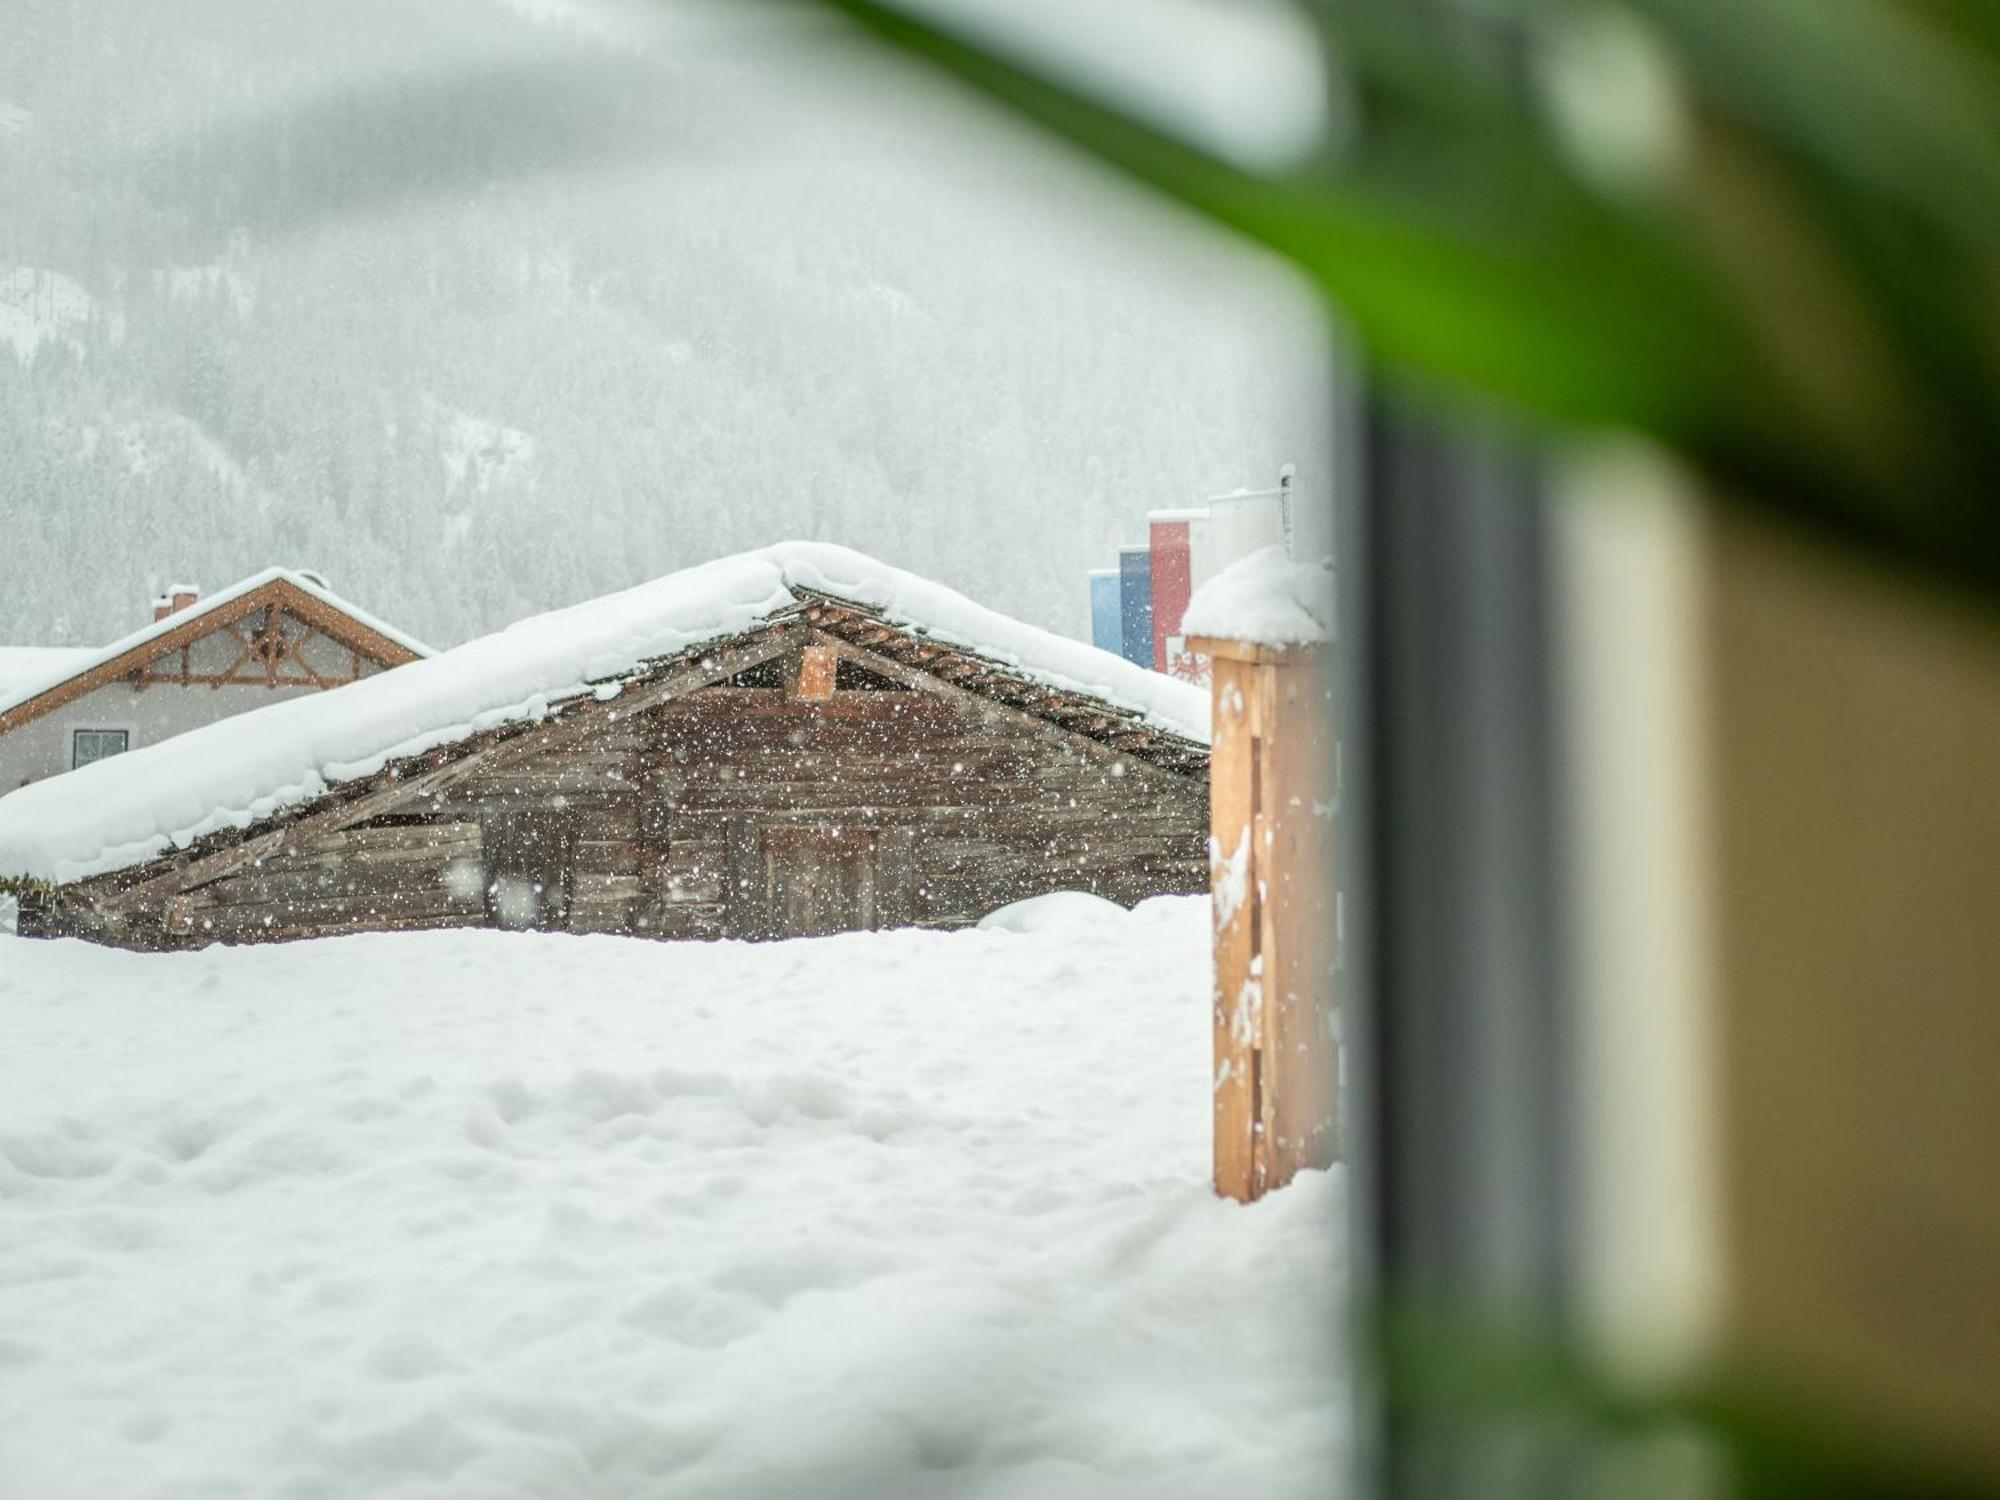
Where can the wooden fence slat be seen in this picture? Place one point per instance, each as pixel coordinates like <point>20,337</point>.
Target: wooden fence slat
<point>1270,805</point>
<point>1233,754</point>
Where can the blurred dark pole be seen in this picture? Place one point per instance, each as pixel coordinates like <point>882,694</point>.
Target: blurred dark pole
<point>1458,1075</point>
<point>1457,1072</point>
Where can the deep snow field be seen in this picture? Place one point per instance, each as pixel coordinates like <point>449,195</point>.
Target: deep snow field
<point>480,1214</point>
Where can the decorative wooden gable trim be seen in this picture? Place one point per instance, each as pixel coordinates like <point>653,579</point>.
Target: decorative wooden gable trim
<point>269,655</point>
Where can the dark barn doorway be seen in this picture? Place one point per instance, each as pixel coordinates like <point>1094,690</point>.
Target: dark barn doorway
<point>809,879</point>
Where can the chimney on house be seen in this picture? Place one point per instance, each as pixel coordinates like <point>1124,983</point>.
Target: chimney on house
<point>179,596</point>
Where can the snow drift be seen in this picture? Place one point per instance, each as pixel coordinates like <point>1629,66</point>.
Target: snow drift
<point>492,1215</point>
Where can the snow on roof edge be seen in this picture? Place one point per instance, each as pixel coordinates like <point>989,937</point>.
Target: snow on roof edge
<point>946,616</point>
<point>30,664</point>
<point>239,771</point>
<point>312,584</point>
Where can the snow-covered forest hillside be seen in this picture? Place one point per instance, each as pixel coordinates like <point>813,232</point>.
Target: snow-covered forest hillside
<point>479,309</point>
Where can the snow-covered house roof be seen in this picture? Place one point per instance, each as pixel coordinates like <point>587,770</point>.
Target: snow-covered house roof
<point>63,675</point>
<point>28,668</point>
<point>133,808</point>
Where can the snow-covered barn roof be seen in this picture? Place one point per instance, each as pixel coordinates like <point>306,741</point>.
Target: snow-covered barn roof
<point>132,808</point>
<point>64,673</point>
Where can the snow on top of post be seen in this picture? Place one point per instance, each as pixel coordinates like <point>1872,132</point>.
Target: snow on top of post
<point>1265,599</point>
<point>132,808</point>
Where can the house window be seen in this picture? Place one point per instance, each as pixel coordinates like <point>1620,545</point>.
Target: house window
<point>98,744</point>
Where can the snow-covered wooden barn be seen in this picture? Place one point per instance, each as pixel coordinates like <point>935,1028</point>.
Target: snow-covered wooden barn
<point>278,634</point>
<point>791,741</point>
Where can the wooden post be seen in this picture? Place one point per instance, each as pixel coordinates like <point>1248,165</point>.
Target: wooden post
<point>1270,862</point>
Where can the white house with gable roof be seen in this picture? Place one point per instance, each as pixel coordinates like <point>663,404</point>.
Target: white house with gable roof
<point>279,634</point>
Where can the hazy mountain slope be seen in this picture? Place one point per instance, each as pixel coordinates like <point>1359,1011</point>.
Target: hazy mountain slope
<point>479,314</point>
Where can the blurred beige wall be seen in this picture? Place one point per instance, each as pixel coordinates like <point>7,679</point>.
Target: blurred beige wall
<point>1786,859</point>
<point>1853,751</point>
<point>1629,563</point>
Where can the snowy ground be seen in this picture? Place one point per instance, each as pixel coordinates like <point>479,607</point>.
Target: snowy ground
<point>483,1214</point>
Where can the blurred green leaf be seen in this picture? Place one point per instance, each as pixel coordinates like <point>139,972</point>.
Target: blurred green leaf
<point>1971,23</point>
<point>1471,1378</point>
<point>1872,92</point>
<point>1501,273</point>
